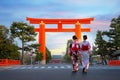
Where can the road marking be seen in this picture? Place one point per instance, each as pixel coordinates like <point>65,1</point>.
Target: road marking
<point>22,67</point>
<point>36,67</point>
<point>55,67</point>
<point>62,67</point>
<point>15,68</point>
<point>29,68</point>
<point>42,67</point>
<point>49,67</point>
<point>68,66</point>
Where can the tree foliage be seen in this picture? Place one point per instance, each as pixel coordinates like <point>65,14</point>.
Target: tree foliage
<point>114,33</point>
<point>66,57</point>
<point>24,32</point>
<point>39,55</point>
<point>100,44</point>
<point>48,55</point>
<point>113,44</point>
<point>7,48</point>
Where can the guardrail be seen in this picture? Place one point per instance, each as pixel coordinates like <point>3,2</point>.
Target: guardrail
<point>6,62</point>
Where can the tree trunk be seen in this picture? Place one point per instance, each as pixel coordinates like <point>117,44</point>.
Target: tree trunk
<point>22,60</point>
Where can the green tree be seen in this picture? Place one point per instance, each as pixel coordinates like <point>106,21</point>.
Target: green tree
<point>39,56</point>
<point>7,48</point>
<point>66,57</point>
<point>48,55</point>
<point>100,44</point>
<point>114,34</point>
<point>24,32</point>
<point>94,50</point>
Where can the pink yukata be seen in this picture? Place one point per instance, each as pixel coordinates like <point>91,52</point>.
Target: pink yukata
<point>74,53</point>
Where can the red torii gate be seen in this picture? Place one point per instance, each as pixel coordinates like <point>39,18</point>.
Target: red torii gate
<point>42,29</point>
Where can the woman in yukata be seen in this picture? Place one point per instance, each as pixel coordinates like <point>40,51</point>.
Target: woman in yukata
<point>85,51</point>
<point>73,51</point>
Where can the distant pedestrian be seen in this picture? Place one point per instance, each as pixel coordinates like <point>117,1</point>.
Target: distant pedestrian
<point>85,52</point>
<point>73,51</point>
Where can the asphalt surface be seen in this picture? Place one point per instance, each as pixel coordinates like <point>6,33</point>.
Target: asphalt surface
<point>58,72</point>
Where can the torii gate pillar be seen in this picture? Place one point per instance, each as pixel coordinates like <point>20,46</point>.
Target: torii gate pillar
<point>78,31</point>
<point>42,40</point>
<point>42,29</point>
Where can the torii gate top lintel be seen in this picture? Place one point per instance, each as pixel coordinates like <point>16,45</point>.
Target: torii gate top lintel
<point>63,21</point>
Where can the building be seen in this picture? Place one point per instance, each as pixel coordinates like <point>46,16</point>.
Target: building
<point>56,59</point>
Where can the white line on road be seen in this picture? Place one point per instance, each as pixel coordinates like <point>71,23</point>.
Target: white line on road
<point>49,67</point>
<point>62,67</point>
<point>68,66</point>
<point>42,67</point>
<point>36,67</point>
<point>55,67</point>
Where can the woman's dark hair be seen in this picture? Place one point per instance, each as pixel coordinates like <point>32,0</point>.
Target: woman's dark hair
<point>85,37</point>
<point>74,37</point>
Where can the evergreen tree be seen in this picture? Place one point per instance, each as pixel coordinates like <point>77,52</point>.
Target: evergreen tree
<point>114,35</point>
<point>94,51</point>
<point>66,57</point>
<point>48,55</point>
<point>100,44</point>
<point>7,48</point>
<point>39,56</point>
<point>24,32</point>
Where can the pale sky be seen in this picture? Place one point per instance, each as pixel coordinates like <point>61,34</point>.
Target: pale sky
<point>102,11</point>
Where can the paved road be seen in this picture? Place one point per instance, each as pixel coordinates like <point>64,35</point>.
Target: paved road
<point>58,72</point>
